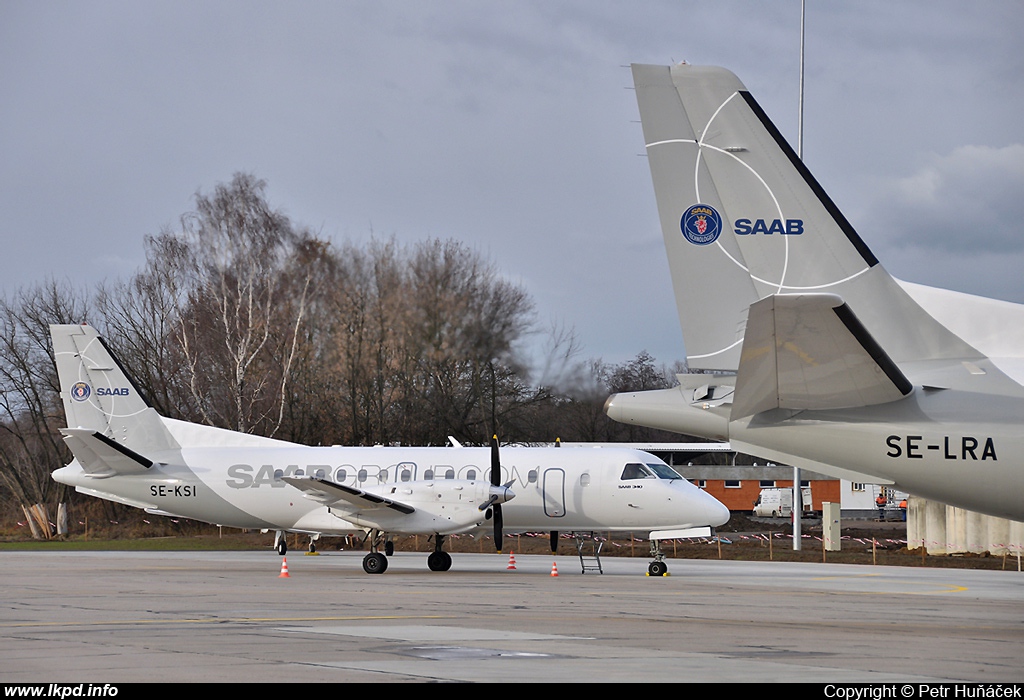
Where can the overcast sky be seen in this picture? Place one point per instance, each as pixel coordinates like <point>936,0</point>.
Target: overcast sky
<point>510,126</point>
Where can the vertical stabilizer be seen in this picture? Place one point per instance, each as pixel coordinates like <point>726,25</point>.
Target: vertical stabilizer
<point>744,219</point>
<point>98,395</point>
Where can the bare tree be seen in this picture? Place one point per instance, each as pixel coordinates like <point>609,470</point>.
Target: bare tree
<point>32,412</point>
<point>241,276</point>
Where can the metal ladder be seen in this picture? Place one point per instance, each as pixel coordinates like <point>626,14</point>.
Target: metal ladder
<point>589,561</point>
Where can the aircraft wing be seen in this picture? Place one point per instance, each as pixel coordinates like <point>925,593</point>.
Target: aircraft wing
<point>101,457</point>
<point>811,352</point>
<point>329,493</point>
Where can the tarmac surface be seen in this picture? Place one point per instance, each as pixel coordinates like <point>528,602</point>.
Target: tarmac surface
<point>110,617</point>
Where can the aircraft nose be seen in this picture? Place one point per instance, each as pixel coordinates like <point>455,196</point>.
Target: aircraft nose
<point>717,513</point>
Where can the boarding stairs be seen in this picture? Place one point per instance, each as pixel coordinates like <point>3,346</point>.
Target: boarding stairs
<point>589,549</point>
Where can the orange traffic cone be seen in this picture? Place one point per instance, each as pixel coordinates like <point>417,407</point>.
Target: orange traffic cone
<point>511,561</point>
<point>284,569</point>
<point>554,568</point>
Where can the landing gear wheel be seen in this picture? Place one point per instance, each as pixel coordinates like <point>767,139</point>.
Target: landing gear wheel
<point>657,568</point>
<point>389,548</point>
<point>375,563</point>
<point>312,547</point>
<point>439,561</point>
<point>282,546</point>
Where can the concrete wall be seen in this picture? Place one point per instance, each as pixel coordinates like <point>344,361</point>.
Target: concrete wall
<point>943,529</point>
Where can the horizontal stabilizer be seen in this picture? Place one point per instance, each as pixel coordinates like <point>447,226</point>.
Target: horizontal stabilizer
<point>101,457</point>
<point>329,493</point>
<point>810,352</point>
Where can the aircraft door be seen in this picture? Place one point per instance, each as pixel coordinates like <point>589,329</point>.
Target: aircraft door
<point>553,487</point>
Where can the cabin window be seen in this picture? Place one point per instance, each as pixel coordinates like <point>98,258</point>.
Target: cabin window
<point>531,477</point>
<point>428,474</point>
<point>585,479</point>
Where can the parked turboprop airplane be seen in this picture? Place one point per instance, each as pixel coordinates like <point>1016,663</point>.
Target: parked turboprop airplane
<point>833,364</point>
<point>126,452</point>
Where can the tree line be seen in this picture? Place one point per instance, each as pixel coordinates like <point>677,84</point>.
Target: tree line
<point>241,319</point>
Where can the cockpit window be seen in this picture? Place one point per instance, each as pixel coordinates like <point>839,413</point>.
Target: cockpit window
<point>635,470</point>
<point>664,471</point>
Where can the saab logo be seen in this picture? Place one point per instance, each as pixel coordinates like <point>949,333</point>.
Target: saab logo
<point>123,391</point>
<point>80,391</point>
<point>701,224</point>
<point>789,227</point>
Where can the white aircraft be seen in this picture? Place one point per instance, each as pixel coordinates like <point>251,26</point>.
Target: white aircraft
<point>829,363</point>
<point>126,452</point>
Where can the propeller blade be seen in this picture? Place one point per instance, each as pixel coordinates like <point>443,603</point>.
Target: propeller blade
<point>496,480</point>
<point>495,462</point>
<point>498,523</point>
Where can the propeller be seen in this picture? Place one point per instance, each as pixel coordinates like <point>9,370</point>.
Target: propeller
<point>554,533</point>
<point>496,481</point>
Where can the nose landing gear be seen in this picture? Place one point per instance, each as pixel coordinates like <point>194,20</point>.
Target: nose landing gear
<point>658,567</point>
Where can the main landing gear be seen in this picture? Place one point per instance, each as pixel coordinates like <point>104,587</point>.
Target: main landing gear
<point>439,560</point>
<point>375,562</point>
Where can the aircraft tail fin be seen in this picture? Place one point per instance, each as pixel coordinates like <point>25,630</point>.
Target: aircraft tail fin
<point>99,397</point>
<point>744,219</point>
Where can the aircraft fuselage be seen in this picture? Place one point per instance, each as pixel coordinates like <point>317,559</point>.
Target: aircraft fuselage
<point>946,445</point>
<point>555,489</point>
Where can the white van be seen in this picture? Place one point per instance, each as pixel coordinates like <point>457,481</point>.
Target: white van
<point>778,502</point>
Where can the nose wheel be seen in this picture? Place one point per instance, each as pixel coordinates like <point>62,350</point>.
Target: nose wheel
<point>658,567</point>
